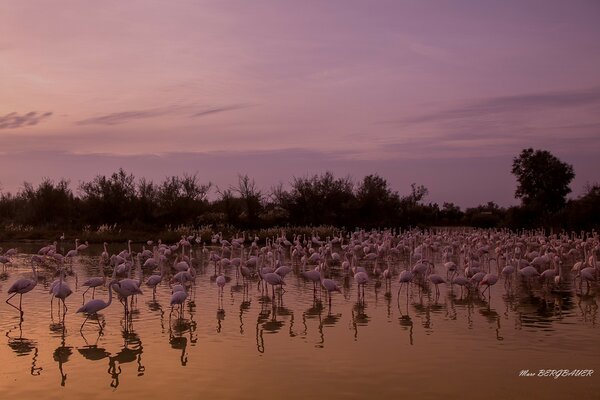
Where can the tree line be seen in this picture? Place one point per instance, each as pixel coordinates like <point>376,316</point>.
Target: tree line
<point>322,199</point>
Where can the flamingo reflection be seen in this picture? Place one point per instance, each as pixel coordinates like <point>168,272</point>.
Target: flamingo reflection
<point>61,355</point>
<point>178,341</point>
<point>359,317</point>
<point>23,346</point>
<point>91,351</point>
<point>132,351</point>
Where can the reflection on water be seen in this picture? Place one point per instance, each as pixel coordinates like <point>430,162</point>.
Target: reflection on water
<point>23,347</point>
<point>250,329</point>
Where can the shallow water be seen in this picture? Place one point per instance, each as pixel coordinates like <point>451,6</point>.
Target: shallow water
<point>296,345</point>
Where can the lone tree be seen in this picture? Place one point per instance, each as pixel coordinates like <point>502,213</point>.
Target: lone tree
<point>543,180</point>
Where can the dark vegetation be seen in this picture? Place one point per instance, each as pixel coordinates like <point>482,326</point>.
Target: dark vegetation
<point>121,204</point>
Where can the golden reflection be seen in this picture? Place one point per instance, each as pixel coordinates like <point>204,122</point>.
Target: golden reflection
<point>178,341</point>
<point>131,351</point>
<point>220,317</point>
<point>267,321</point>
<point>92,352</point>
<point>314,311</point>
<point>23,346</point>
<point>359,316</point>
<point>61,354</point>
<point>406,322</point>
<point>154,306</point>
<point>244,308</point>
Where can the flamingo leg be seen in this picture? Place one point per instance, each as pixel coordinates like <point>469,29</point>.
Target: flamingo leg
<point>9,303</point>
<point>84,292</point>
<point>84,321</point>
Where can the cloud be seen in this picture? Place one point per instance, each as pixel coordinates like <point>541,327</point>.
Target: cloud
<point>510,104</point>
<point>14,120</point>
<point>219,110</point>
<point>127,116</point>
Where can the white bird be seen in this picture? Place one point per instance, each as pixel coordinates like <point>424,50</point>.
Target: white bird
<point>273,279</point>
<point>406,276</point>
<point>220,281</point>
<point>488,280</point>
<point>93,283</point>
<point>314,276</point>
<point>22,286</point>
<point>93,306</point>
<point>436,280</point>
<point>329,285</point>
<point>361,278</point>
<point>61,290</point>
<point>154,280</point>
<point>178,298</point>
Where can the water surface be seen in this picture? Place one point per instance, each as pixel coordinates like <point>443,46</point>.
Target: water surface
<point>250,345</point>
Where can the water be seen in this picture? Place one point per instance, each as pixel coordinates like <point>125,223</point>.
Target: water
<point>295,345</point>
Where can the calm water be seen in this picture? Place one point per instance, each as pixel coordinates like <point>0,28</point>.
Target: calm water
<point>297,345</point>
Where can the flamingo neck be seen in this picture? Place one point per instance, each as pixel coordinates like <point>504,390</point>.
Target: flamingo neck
<point>110,294</point>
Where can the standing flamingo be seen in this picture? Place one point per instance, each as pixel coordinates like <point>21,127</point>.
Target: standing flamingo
<point>61,290</point>
<point>93,306</point>
<point>329,285</point>
<point>21,287</point>
<point>154,280</point>
<point>93,283</point>
<point>361,278</point>
<point>178,298</point>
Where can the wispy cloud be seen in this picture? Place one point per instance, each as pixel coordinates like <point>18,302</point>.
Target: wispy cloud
<point>219,110</point>
<point>128,116</point>
<point>509,104</point>
<point>14,120</point>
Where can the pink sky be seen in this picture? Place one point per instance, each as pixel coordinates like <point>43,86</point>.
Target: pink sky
<point>439,93</point>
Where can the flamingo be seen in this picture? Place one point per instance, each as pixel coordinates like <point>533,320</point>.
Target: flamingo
<point>314,276</point>
<point>73,253</point>
<point>387,275</point>
<point>127,287</point>
<point>508,272</point>
<point>488,280</point>
<point>61,290</point>
<point>93,283</point>
<point>11,252</point>
<point>5,260</point>
<point>436,280</point>
<point>178,298</point>
<point>329,285</point>
<point>245,272</point>
<point>21,287</point>
<point>361,278</point>
<point>528,273</point>
<point>220,281</point>
<point>273,279</point>
<point>92,307</point>
<point>154,280</point>
<point>82,247</point>
<point>104,254</point>
<point>461,281</point>
<point>406,276</point>
<point>283,270</point>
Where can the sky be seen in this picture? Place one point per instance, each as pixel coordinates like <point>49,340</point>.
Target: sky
<point>439,93</point>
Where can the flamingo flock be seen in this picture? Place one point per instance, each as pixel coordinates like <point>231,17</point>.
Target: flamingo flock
<point>473,260</point>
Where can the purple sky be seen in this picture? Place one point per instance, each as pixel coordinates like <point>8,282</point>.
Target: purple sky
<point>442,93</point>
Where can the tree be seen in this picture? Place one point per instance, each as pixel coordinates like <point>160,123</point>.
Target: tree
<point>377,203</point>
<point>252,199</point>
<point>543,180</point>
